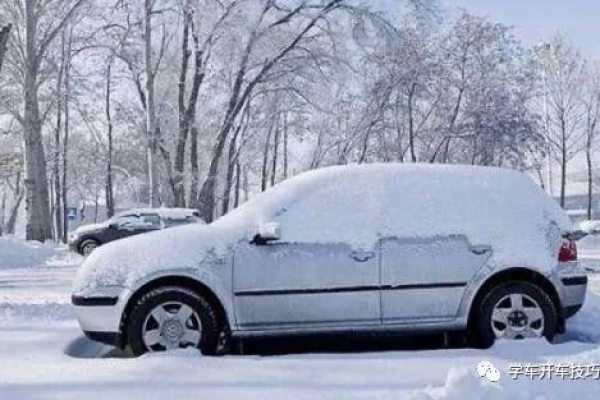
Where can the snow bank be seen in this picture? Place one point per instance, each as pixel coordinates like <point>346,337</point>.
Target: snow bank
<point>39,313</point>
<point>585,325</point>
<point>491,206</point>
<point>17,253</point>
<point>462,383</point>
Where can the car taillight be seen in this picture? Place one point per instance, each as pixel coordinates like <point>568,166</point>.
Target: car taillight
<point>568,250</point>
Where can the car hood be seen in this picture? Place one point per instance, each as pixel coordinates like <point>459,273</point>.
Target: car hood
<point>90,228</point>
<point>125,262</point>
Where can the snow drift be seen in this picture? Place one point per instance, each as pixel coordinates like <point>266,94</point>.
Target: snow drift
<point>17,253</point>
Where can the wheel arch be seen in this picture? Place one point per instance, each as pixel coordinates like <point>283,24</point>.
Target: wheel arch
<point>516,274</point>
<point>175,280</point>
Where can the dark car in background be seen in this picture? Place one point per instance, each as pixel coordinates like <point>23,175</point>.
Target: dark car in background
<point>86,238</point>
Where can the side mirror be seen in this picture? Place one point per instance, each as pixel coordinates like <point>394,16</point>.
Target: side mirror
<point>113,225</point>
<point>267,232</point>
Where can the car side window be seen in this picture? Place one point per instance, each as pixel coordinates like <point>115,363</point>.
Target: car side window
<point>128,221</point>
<point>150,221</point>
<point>337,212</point>
<point>190,219</point>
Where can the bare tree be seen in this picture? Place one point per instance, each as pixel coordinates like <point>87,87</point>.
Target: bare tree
<point>109,188</point>
<point>563,69</point>
<point>271,17</point>
<point>39,24</point>
<point>187,109</point>
<point>152,129</point>
<point>591,99</point>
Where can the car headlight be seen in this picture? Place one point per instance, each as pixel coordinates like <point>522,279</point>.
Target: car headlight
<point>72,237</point>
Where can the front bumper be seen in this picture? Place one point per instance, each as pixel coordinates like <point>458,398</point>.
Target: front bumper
<point>99,313</point>
<point>74,245</point>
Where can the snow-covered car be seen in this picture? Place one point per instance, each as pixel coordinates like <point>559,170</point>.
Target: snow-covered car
<point>354,248</point>
<point>135,221</point>
<point>586,228</point>
<point>588,244</point>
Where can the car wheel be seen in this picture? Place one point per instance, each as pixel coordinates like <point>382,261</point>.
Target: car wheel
<point>172,318</point>
<point>514,310</point>
<point>88,246</point>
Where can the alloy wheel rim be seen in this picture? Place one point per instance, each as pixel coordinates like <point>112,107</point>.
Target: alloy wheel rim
<point>88,248</point>
<point>517,316</point>
<point>170,326</point>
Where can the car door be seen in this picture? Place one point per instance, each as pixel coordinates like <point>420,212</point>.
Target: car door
<point>120,227</point>
<point>313,277</point>
<point>136,224</point>
<point>149,222</point>
<point>424,279</point>
<point>305,284</point>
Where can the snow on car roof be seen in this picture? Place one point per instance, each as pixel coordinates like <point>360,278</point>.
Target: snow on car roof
<point>489,205</point>
<point>589,226</point>
<point>176,213</point>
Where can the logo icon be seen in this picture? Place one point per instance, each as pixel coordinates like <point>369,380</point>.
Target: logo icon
<point>486,369</point>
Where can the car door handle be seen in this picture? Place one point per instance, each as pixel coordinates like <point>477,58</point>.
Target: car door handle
<point>480,249</point>
<point>362,256</point>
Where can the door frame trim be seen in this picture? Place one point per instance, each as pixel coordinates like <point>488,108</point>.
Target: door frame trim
<point>285,292</point>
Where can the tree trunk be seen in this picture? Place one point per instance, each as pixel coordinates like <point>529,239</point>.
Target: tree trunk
<point>275,155</point>
<point>238,180</point>
<point>151,125</point>
<point>2,212</point>
<point>588,156</point>
<point>14,212</point>
<point>285,147</point>
<point>4,35</point>
<point>265,160</point>
<point>187,110</point>
<point>11,223</point>
<point>563,163</point>
<point>194,166</point>
<point>108,190</point>
<point>56,162</point>
<point>411,125</point>
<point>592,120</point>
<point>39,225</point>
<point>231,161</point>
<point>65,143</point>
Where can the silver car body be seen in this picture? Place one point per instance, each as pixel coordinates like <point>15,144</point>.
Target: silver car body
<point>394,283</point>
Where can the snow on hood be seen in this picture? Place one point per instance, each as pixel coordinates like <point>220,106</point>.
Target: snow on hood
<point>491,206</point>
<point>123,262</point>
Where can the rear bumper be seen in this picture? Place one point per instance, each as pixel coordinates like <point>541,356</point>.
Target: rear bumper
<point>571,283</point>
<point>74,245</point>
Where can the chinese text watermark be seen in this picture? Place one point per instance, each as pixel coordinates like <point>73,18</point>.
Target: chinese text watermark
<point>549,371</point>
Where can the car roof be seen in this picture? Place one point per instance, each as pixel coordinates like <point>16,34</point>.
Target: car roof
<point>175,213</point>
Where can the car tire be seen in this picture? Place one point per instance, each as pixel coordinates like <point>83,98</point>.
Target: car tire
<point>486,326</point>
<point>206,325</point>
<point>88,246</point>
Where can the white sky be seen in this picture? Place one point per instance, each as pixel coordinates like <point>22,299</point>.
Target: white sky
<point>537,20</point>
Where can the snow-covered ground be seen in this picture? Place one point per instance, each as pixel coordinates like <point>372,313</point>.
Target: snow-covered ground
<point>589,249</point>
<point>44,356</point>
